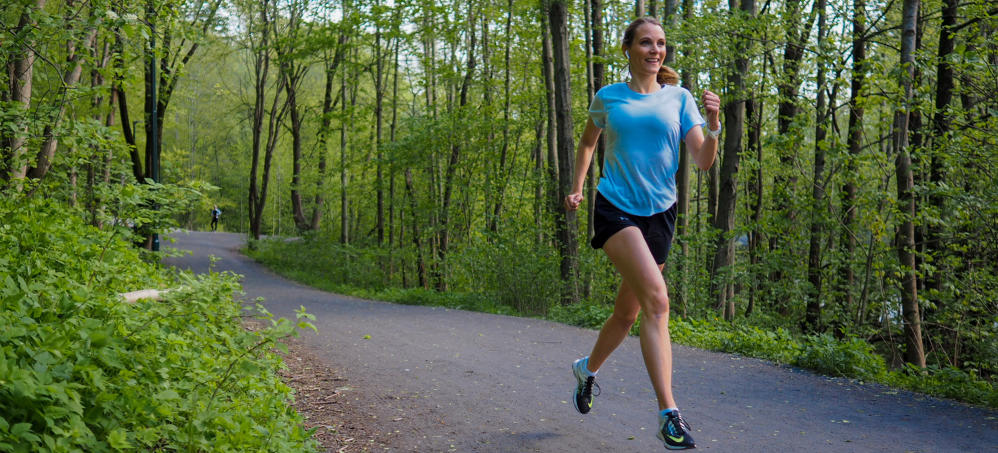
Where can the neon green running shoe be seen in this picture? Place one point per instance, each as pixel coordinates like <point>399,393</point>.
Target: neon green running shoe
<point>674,432</point>
<point>583,394</point>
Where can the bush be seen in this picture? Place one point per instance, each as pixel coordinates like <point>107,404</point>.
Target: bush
<point>80,370</point>
<point>853,358</point>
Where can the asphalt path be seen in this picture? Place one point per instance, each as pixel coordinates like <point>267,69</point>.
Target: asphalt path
<point>437,379</point>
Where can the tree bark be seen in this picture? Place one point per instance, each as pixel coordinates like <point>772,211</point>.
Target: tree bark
<point>455,156</point>
<point>70,77</point>
<point>21,75</point>
<point>293,74</point>
<point>552,120</point>
<point>812,318</point>
<point>941,129</point>
<point>734,119</point>
<point>855,146</point>
<point>905,243</point>
<point>565,220</point>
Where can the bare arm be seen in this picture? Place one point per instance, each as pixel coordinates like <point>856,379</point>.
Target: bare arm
<point>703,149</point>
<point>583,157</point>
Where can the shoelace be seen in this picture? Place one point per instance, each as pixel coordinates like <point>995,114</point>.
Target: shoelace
<point>678,420</point>
<point>587,391</point>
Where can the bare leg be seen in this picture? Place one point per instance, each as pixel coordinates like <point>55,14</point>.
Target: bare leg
<point>617,327</point>
<point>629,253</point>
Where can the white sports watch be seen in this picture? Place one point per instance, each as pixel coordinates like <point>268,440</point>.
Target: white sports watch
<point>715,133</point>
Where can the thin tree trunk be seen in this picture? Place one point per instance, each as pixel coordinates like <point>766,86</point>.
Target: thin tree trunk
<point>21,75</point>
<point>734,118</point>
<point>905,243</point>
<point>565,220</point>
<point>71,76</point>
<point>552,121</point>
<point>455,156</point>
<point>344,201</point>
<point>379,95</point>
<point>420,258</point>
<point>855,146</point>
<point>812,318</point>
<point>785,180</point>
<point>941,128</point>
<point>683,173</point>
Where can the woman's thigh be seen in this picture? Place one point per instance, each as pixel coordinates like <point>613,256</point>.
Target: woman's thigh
<point>629,253</point>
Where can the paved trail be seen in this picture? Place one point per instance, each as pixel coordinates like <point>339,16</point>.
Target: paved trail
<point>450,380</point>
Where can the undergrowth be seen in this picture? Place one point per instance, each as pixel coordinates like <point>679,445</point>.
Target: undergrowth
<point>81,370</point>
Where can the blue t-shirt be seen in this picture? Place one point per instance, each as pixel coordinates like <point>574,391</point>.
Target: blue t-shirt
<point>643,132</point>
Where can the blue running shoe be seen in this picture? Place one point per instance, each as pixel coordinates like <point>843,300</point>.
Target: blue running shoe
<point>583,394</point>
<point>674,432</point>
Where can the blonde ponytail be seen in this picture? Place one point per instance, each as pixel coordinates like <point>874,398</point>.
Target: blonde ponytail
<point>667,76</point>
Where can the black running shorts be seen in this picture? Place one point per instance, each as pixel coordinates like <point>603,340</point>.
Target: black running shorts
<point>657,229</point>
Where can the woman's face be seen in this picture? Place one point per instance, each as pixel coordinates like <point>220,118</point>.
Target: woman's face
<point>647,51</point>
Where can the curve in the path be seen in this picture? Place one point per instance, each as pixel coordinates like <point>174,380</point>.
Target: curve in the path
<point>451,380</point>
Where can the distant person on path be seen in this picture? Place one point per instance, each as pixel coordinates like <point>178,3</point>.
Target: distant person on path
<point>635,213</point>
<point>215,213</point>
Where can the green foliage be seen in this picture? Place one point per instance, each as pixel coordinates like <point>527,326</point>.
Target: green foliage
<point>509,272</point>
<point>358,274</point>
<point>81,370</point>
<point>949,382</point>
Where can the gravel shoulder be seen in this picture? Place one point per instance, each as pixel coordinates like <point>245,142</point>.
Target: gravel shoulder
<point>435,379</point>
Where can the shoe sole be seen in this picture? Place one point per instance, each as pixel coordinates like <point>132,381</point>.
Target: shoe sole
<point>673,448</point>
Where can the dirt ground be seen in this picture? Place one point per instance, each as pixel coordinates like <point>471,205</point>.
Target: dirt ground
<point>327,402</point>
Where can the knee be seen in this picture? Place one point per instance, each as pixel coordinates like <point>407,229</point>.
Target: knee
<point>656,306</point>
<point>624,319</point>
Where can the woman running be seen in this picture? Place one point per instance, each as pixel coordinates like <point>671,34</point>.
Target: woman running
<point>635,212</point>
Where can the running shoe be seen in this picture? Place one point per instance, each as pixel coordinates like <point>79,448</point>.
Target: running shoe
<point>674,432</point>
<point>583,393</point>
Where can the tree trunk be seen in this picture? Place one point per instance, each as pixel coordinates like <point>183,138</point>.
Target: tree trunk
<point>258,189</point>
<point>941,129</point>
<point>455,156</point>
<point>734,118</point>
<point>21,75</point>
<point>905,243</point>
<point>416,239</point>
<point>812,318</point>
<point>683,173</point>
<point>344,201</point>
<point>70,77</point>
<point>565,219</point>
<point>855,146</point>
<point>784,185</point>
<point>552,121</point>
<point>379,95</point>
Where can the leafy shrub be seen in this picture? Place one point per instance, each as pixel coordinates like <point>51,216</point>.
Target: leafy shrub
<point>588,314</point>
<point>80,370</point>
<point>508,272</point>
<point>853,358</point>
<point>947,382</point>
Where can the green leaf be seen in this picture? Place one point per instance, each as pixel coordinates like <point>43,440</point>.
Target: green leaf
<point>118,438</point>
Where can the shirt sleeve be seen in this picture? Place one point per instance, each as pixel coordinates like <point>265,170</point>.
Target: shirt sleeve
<point>689,114</point>
<point>597,111</point>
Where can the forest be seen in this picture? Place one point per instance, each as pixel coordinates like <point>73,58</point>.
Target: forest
<point>419,144</point>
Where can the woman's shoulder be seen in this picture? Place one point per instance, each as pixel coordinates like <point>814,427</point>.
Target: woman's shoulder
<point>611,89</point>
<point>674,90</point>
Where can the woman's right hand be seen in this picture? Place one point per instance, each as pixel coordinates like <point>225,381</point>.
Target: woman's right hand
<point>573,200</point>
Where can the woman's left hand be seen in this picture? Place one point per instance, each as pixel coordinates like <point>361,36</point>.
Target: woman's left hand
<point>712,105</point>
